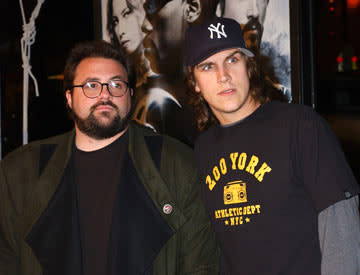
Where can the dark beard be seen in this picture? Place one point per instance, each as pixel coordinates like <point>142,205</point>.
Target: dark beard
<point>94,129</point>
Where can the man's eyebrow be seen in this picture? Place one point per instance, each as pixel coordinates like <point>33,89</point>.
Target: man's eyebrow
<point>91,79</point>
<point>201,65</point>
<point>233,53</point>
<point>118,77</point>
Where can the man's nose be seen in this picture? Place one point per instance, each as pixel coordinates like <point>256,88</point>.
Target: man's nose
<point>105,91</point>
<point>253,10</point>
<point>223,75</point>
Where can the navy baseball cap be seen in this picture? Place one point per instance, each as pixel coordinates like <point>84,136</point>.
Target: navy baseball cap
<point>212,36</point>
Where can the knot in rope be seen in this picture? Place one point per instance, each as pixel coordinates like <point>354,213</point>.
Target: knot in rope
<point>28,38</point>
<point>29,33</point>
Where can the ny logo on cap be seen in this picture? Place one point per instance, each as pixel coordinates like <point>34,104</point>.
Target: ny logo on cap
<point>217,30</point>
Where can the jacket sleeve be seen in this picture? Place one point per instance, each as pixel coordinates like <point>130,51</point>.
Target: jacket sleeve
<point>9,251</point>
<point>199,250</point>
<point>339,235</point>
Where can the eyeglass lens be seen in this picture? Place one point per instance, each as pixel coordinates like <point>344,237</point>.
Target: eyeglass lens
<point>115,87</point>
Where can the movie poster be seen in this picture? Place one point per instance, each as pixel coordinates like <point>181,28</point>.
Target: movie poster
<point>276,42</point>
<point>152,33</point>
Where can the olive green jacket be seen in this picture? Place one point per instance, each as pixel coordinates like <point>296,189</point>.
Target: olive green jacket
<point>25,193</point>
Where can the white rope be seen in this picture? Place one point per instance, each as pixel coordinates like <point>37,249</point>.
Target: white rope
<point>27,40</point>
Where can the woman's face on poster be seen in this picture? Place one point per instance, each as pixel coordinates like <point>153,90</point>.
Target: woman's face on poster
<point>128,20</point>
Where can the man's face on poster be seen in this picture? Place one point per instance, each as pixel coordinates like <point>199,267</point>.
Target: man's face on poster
<point>251,16</point>
<point>168,23</point>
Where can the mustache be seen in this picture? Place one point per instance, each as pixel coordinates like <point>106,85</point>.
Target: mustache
<point>109,103</point>
<point>253,24</point>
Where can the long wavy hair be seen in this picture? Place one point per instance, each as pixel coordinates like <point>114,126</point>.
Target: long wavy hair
<point>262,90</point>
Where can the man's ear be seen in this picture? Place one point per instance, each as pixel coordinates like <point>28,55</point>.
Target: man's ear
<point>192,10</point>
<point>68,98</point>
<point>196,87</point>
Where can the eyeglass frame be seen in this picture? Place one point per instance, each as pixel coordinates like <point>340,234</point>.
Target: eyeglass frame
<point>103,84</point>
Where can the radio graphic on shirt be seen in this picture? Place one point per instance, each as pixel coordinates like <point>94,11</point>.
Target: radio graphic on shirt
<point>241,202</point>
<point>235,192</point>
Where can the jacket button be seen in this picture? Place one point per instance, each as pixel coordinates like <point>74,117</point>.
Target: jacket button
<point>167,209</point>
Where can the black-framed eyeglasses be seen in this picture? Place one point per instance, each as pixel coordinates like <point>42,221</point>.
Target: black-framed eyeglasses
<point>92,89</point>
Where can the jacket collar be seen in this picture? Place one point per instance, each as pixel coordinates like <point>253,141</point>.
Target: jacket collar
<point>151,177</point>
<point>48,182</point>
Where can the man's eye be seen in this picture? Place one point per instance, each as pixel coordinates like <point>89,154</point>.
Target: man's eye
<point>206,67</point>
<point>91,85</point>
<point>233,59</point>
<point>115,84</point>
<point>118,85</point>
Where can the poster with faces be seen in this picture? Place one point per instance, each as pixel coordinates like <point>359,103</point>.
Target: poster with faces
<point>276,41</point>
<point>152,33</point>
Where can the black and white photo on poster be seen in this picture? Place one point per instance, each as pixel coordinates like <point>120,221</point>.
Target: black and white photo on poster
<point>276,42</point>
<point>266,28</point>
<point>152,32</point>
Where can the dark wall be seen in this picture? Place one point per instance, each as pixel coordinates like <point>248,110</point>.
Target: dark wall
<point>337,79</point>
<point>59,26</point>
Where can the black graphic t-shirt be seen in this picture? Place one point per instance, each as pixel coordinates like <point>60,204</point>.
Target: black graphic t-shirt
<point>264,182</point>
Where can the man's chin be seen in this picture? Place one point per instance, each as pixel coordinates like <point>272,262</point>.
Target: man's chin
<point>101,124</point>
<point>104,116</point>
<point>104,113</point>
<point>103,127</point>
<point>103,131</point>
<point>104,120</point>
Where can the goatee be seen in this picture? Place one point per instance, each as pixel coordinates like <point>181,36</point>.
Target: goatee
<point>92,127</point>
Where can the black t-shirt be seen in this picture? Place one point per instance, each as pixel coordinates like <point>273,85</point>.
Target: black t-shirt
<point>264,182</point>
<point>97,177</point>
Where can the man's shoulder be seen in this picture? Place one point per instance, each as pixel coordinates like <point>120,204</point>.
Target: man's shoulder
<point>33,148</point>
<point>290,107</point>
<point>176,145</point>
<point>167,152</point>
<point>291,111</point>
<point>169,143</point>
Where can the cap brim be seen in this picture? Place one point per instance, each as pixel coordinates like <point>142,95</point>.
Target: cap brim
<point>247,52</point>
<point>215,50</point>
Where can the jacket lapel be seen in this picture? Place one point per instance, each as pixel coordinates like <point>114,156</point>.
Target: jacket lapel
<point>151,178</point>
<point>51,214</point>
<point>55,238</point>
<point>47,184</point>
<point>138,229</point>
<point>141,227</point>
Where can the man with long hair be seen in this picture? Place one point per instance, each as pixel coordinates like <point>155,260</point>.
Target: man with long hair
<point>279,192</point>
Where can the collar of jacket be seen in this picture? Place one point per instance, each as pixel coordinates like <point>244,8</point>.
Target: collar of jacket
<point>148,173</point>
<point>150,176</point>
